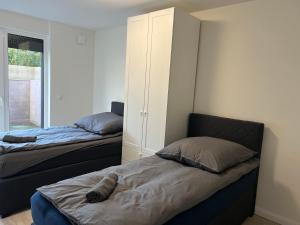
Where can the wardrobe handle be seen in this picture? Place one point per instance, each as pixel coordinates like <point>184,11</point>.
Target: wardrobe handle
<point>143,113</point>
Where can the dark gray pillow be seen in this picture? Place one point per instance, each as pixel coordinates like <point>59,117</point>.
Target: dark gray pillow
<point>212,154</point>
<point>101,123</point>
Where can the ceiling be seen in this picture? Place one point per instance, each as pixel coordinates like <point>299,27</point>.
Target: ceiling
<point>101,13</point>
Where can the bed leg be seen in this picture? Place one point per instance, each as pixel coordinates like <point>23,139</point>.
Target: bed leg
<point>252,212</point>
<point>2,216</point>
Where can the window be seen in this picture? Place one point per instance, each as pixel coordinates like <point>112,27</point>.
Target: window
<point>25,75</point>
<point>22,98</point>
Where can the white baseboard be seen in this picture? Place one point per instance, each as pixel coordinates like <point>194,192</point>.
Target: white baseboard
<point>274,217</point>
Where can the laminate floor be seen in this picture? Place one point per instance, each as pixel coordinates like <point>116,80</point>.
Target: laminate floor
<point>24,218</point>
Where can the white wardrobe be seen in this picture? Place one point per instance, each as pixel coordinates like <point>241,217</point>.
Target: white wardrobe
<point>161,63</point>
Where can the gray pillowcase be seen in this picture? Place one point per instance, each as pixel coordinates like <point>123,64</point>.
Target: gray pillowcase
<point>212,154</point>
<point>101,123</point>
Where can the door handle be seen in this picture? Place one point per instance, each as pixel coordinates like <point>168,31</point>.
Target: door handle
<point>1,102</point>
<point>2,119</point>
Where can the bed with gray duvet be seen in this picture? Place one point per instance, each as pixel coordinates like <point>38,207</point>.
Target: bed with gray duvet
<point>155,189</point>
<point>208,173</point>
<point>92,143</point>
<point>50,143</point>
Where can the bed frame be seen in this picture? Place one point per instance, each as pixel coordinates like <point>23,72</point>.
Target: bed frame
<point>247,133</point>
<point>15,191</point>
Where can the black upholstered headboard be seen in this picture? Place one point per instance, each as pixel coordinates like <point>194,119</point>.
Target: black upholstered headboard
<point>117,108</point>
<point>247,133</point>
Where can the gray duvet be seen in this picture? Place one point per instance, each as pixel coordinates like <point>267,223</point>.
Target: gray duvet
<point>150,191</point>
<point>51,142</point>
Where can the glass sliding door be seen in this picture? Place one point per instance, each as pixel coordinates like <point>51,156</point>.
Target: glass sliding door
<point>3,82</point>
<point>25,82</point>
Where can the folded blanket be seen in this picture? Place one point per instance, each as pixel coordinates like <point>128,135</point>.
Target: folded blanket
<point>17,139</point>
<point>103,189</point>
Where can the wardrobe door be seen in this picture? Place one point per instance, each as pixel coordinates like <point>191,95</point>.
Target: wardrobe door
<point>157,82</point>
<point>136,61</point>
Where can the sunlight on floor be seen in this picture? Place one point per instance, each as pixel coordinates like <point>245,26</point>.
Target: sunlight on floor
<point>22,127</point>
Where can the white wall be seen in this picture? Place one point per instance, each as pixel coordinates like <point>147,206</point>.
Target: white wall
<point>71,64</point>
<point>23,23</point>
<point>249,68</point>
<point>72,68</point>
<point>110,50</point>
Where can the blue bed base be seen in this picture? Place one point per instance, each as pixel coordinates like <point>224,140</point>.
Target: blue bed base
<point>44,213</point>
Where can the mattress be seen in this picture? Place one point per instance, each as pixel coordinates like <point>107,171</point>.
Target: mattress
<point>24,162</point>
<point>44,213</point>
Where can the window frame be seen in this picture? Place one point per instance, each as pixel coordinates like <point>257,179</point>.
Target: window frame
<point>46,72</point>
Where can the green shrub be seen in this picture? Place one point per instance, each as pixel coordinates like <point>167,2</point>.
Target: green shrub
<point>24,57</point>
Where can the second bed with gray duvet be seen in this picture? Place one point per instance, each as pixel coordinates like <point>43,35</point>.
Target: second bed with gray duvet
<point>150,191</point>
